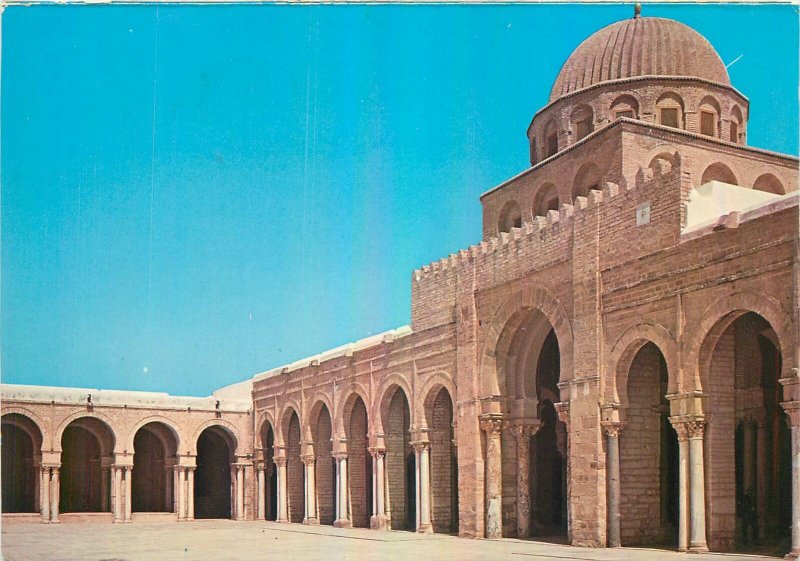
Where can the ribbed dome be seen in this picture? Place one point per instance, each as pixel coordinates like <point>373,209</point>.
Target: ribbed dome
<point>639,47</point>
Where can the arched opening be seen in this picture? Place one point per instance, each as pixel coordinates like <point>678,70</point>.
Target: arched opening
<point>769,183</point>
<point>21,454</point>
<point>545,200</point>
<point>510,217</point>
<point>155,449</point>
<point>550,143</point>
<point>587,178</point>
<point>648,455</point>
<point>582,120</point>
<point>748,441</point>
<point>719,172</point>
<point>736,126</point>
<point>270,473</point>
<point>625,106</point>
<point>709,116</point>
<point>663,162</point>
<point>444,465</point>
<point>528,362</point>
<point>212,478</point>
<point>324,467</point>
<point>400,482</point>
<point>295,476</point>
<point>669,108</point>
<point>87,446</point>
<point>359,470</point>
<point>548,463</point>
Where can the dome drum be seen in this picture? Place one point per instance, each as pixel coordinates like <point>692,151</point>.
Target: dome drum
<point>677,102</point>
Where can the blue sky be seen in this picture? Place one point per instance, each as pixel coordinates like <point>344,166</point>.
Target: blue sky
<point>193,194</point>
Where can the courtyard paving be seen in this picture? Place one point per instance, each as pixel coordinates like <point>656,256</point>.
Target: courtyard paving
<point>222,540</point>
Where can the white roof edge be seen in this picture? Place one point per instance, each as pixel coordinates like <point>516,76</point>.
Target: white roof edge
<point>342,350</point>
<point>61,394</point>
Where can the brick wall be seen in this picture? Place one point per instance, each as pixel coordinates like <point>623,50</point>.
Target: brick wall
<point>324,469</point>
<point>640,452</point>
<point>441,437</point>
<point>396,426</point>
<point>357,468</point>
<point>294,472</point>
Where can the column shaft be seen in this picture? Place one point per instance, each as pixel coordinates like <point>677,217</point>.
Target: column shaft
<point>283,507</point>
<point>494,477</point>
<point>795,490</point>
<point>181,493</point>
<point>342,497</point>
<point>523,437</point>
<point>311,491</point>
<point>697,500</point>
<point>55,495</point>
<point>425,488</point>
<point>614,491</point>
<point>45,494</point>
<point>261,513</point>
<point>190,493</point>
<point>128,492</point>
<point>240,493</point>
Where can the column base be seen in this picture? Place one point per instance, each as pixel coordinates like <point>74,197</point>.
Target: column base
<point>425,529</point>
<point>379,522</point>
<point>342,523</point>
<point>311,522</point>
<point>284,521</point>
<point>792,555</point>
<point>55,522</point>
<point>702,548</point>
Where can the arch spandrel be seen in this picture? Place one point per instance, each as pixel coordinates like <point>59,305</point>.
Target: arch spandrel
<point>703,336</point>
<point>345,409</point>
<point>232,431</point>
<point>389,385</point>
<point>430,390</point>
<point>169,423</point>
<point>525,299</point>
<point>44,437</point>
<point>289,407</point>
<point>624,350</point>
<point>115,431</point>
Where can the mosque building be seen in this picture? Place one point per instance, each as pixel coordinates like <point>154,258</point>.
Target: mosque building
<point>615,363</point>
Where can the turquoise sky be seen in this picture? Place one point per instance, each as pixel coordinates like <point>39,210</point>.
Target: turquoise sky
<point>193,194</point>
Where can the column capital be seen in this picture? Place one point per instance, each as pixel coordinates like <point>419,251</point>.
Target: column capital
<point>339,455</point>
<point>792,409</point>
<point>420,445</point>
<point>280,462</point>
<point>562,408</point>
<point>377,451</point>
<point>696,427</point>
<point>612,428</point>
<point>526,430</point>
<point>50,466</point>
<point>308,459</point>
<point>491,423</point>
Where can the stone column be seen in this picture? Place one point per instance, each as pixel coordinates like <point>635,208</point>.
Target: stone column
<point>309,461</point>
<point>683,482</point>
<point>423,451</point>
<point>176,489</point>
<point>492,425</point>
<point>562,410</point>
<point>283,504</point>
<point>261,512</point>
<point>37,486</point>
<point>697,498</point>
<point>45,494</point>
<point>128,491</point>
<point>104,491</point>
<point>240,492</point>
<point>55,495</point>
<point>190,493</point>
<point>523,434</point>
<point>792,409</point>
<point>168,489</point>
<point>181,493</point>
<point>342,497</point>
<point>378,520</point>
<point>761,474</point>
<point>612,430</point>
<point>116,490</point>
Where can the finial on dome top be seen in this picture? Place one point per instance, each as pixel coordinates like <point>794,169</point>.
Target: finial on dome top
<point>637,10</point>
